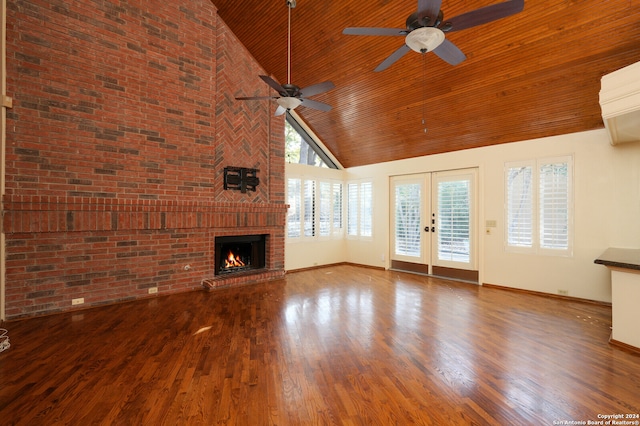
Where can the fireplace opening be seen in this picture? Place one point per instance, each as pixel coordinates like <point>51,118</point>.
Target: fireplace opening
<point>241,253</point>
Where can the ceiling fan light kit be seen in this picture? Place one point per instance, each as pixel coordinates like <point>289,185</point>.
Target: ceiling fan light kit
<point>289,102</point>
<point>424,39</point>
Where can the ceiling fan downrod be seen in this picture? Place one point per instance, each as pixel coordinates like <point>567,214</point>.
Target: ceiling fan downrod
<point>290,4</point>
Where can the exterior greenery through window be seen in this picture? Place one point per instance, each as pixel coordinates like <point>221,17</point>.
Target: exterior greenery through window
<point>301,148</point>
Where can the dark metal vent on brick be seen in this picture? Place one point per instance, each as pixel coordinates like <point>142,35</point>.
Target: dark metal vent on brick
<point>241,179</point>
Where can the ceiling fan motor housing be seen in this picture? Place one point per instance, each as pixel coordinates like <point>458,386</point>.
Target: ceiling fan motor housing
<point>413,21</point>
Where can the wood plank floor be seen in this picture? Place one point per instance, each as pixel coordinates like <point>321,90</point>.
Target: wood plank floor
<point>340,345</point>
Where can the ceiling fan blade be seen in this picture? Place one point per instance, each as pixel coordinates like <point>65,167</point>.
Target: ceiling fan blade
<point>280,110</point>
<point>255,98</point>
<point>484,15</point>
<point>430,8</point>
<point>375,31</point>
<point>449,52</point>
<point>392,58</point>
<point>271,82</point>
<point>316,89</point>
<point>308,103</point>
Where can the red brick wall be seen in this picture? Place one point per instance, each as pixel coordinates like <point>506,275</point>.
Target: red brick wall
<point>123,120</point>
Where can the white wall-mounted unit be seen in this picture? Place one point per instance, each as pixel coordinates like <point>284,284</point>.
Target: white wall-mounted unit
<point>620,104</point>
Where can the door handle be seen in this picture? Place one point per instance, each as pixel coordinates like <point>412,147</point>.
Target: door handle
<point>426,229</point>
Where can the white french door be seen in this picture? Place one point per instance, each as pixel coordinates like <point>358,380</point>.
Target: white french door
<point>410,201</point>
<point>433,223</point>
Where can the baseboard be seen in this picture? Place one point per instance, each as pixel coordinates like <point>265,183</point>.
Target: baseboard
<point>328,265</point>
<point>547,295</point>
<point>625,346</point>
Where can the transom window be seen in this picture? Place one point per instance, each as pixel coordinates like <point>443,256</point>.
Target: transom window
<point>301,148</point>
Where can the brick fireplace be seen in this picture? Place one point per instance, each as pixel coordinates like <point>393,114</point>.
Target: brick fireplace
<point>116,151</point>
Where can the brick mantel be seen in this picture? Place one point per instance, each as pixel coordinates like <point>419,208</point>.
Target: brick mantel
<point>38,214</point>
<point>105,251</point>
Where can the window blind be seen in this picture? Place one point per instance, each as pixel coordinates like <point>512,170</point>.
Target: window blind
<point>520,206</point>
<point>325,209</point>
<point>309,208</point>
<point>293,214</point>
<point>366,209</point>
<point>554,206</point>
<point>538,205</point>
<point>337,207</point>
<point>407,220</point>
<point>453,220</point>
<point>352,209</point>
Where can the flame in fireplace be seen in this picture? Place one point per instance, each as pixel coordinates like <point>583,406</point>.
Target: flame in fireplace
<point>232,261</point>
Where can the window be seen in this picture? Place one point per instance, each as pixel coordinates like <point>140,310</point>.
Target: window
<point>352,212</point>
<point>337,207</point>
<point>539,206</point>
<point>366,209</point>
<point>309,208</point>
<point>360,209</point>
<point>554,206</point>
<point>519,206</point>
<point>301,148</point>
<point>315,208</point>
<point>295,209</point>
<point>325,209</point>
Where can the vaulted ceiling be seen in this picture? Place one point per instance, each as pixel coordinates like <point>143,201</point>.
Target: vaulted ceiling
<point>530,75</point>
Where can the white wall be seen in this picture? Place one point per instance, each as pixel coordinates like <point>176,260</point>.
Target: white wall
<point>606,206</point>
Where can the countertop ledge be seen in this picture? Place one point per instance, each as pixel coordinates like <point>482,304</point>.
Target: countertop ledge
<point>620,258</point>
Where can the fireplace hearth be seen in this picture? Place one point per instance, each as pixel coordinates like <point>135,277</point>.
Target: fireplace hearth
<point>239,254</point>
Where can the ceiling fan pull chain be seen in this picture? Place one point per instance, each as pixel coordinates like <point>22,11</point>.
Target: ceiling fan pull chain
<point>424,90</point>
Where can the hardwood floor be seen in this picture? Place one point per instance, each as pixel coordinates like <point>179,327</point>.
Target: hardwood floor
<point>339,345</point>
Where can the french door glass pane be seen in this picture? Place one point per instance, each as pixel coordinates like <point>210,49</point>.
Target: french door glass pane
<point>453,221</point>
<point>407,211</point>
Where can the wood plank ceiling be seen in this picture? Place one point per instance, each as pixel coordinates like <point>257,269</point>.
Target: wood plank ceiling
<point>531,75</point>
